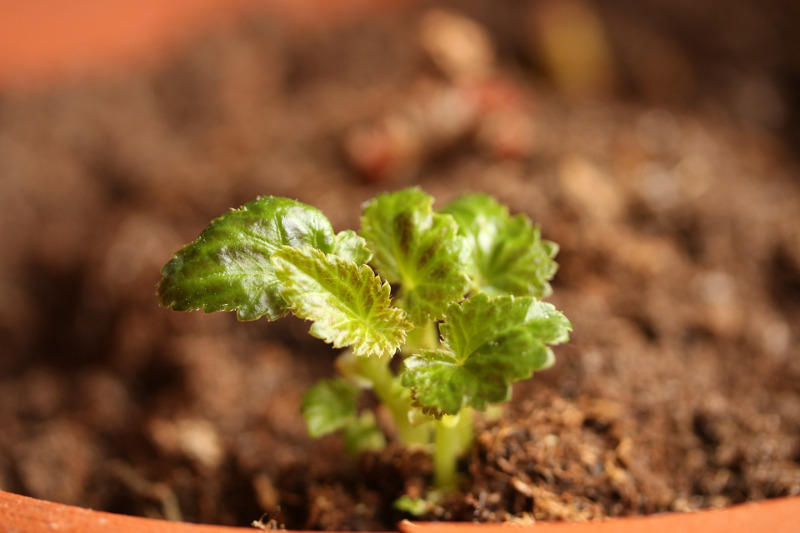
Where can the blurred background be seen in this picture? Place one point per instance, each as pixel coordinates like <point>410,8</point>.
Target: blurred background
<point>656,141</point>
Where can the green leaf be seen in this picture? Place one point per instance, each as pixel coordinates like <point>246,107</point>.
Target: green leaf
<point>349,245</point>
<point>488,343</point>
<point>348,303</point>
<point>228,267</point>
<point>363,434</point>
<point>508,254</point>
<point>417,249</point>
<point>329,405</point>
<point>417,507</point>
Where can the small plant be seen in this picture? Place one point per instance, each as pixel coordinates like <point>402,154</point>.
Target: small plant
<point>455,292</point>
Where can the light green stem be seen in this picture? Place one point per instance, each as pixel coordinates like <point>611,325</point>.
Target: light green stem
<point>453,437</point>
<point>425,337</point>
<point>396,398</point>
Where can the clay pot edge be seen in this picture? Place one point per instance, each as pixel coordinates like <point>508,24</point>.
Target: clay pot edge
<point>22,514</point>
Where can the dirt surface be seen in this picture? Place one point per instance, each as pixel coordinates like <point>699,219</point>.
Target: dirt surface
<point>674,198</point>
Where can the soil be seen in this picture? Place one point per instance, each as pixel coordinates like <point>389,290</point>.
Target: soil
<point>672,192</point>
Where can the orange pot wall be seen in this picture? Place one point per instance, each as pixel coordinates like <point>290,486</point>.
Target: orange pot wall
<point>25,515</point>
<point>770,516</point>
<point>43,40</point>
<point>20,514</point>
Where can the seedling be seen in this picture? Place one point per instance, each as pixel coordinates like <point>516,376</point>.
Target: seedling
<point>455,292</point>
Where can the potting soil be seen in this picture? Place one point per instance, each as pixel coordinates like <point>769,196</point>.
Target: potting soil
<point>667,178</point>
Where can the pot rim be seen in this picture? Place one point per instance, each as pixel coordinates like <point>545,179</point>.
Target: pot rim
<point>23,514</point>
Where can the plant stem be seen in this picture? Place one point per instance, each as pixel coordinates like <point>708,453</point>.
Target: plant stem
<point>453,437</point>
<point>396,398</point>
<point>425,337</point>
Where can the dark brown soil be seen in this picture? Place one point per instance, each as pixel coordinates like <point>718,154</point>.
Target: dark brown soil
<point>674,199</point>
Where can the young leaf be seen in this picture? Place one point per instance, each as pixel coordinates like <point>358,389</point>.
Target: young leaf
<point>347,302</point>
<point>228,268</point>
<point>363,434</point>
<point>508,254</point>
<point>329,406</point>
<point>488,343</point>
<point>417,507</point>
<point>349,245</point>
<point>417,249</point>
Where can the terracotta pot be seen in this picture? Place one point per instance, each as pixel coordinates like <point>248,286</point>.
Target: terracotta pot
<point>43,40</point>
<point>20,514</point>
